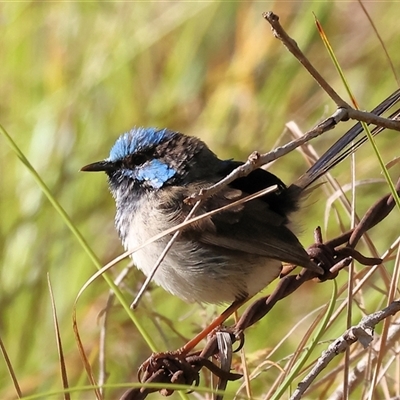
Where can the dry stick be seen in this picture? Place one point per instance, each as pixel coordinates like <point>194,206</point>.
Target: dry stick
<point>10,369</point>
<point>292,46</point>
<point>363,332</point>
<point>379,37</point>
<point>103,329</point>
<point>256,160</point>
<point>64,375</point>
<point>225,355</point>
<point>358,373</point>
<point>162,256</point>
<point>361,282</point>
<point>352,113</point>
<point>332,375</point>
<point>386,326</point>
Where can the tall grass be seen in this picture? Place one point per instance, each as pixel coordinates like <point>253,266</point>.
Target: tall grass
<point>74,75</point>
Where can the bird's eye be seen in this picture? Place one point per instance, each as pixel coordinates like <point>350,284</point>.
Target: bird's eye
<point>137,159</point>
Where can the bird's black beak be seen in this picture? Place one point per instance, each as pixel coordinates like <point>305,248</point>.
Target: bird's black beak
<point>99,166</point>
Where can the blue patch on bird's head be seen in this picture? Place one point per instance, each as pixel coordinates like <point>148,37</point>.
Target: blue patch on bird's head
<point>138,140</point>
<point>153,173</point>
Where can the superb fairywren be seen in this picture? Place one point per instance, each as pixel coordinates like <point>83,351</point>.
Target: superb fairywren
<point>226,257</point>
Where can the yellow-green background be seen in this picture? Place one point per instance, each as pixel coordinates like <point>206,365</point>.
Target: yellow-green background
<point>75,75</point>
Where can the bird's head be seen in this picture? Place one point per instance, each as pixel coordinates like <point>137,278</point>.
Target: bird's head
<point>151,158</point>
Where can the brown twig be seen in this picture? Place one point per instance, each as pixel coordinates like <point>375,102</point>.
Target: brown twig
<point>256,160</point>
<point>357,375</point>
<point>292,46</point>
<point>352,113</point>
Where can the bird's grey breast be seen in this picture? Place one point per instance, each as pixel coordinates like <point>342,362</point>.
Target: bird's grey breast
<point>191,270</point>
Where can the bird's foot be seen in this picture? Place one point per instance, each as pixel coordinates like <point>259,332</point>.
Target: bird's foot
<point>170,367</point>
<point>174,367</point>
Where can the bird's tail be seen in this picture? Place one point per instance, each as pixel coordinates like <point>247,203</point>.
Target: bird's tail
<point>345,145</point>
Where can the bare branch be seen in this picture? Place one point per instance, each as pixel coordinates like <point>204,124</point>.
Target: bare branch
<point>363,332</point>
<point>357,375</point>
<point>292,46</point>
<point>256,160</point>
<point>352,113</point>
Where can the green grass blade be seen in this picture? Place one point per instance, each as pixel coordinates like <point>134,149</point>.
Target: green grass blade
<point>314,341</point>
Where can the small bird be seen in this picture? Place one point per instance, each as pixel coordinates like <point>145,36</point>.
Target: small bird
<point>223,258</point>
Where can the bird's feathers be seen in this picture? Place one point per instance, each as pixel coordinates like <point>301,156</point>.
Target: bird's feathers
<point>138,140</point>
<point>251,227</point>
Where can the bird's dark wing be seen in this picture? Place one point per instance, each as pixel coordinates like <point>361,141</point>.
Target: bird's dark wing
<point>256,227</point>
<point>260,179</point>
<point>252,228</point>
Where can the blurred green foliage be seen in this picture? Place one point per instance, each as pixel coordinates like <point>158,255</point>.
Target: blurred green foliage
<point>74,75</point>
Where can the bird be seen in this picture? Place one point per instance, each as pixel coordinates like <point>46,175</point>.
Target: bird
<point>223,258</point>
<point>231,255</point>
